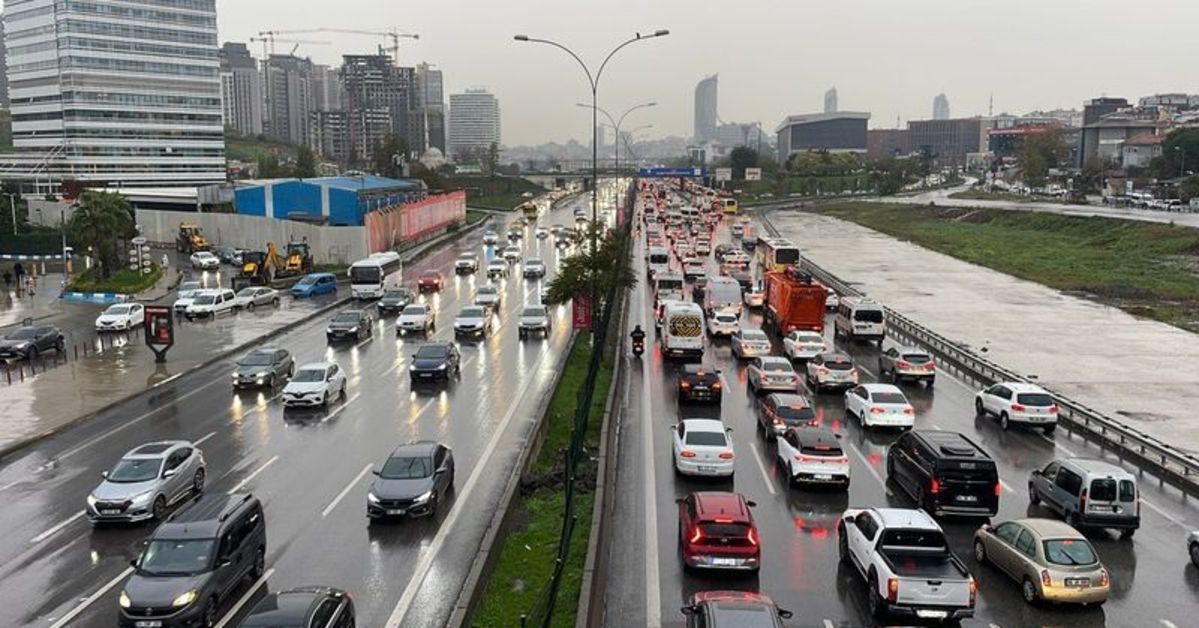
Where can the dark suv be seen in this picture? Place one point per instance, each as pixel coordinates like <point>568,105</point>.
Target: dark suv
<point>945,472</point>
<point>194,561</point>
<point>303,607</point>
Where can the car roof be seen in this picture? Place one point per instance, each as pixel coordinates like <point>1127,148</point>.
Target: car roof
<point>774,359</point>
<point>202,516</point>
<point>1050,528</point>
<point>1095,465</point>
<point>880,388</point>
<point>285,608</point>
<point>789,399</point>
<point>905,518</point>
<point>1024,387</point>
<point>951,444</point>
<point>699,369</point>
<point>414,448</point>
<point>703,425</point>
<point>836,355</point>
<point>155,449</point>
<point>315,366</point>
<point>817,436</point>
<point>711,503</point>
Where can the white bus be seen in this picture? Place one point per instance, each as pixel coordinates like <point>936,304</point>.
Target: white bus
<point>371,277</point>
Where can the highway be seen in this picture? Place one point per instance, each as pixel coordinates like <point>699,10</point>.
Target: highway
<point>1153,583</point>
<point>311,469</point>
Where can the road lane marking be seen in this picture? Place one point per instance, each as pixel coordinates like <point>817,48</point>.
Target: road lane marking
<point>1168,517</point>
<point>762,468</point>
<point>337,500</point>
<point>91,599</point>
<point>869,467</point>
<point>828,623</point>
<point>1168,624</point>
<point>203,438</point>
<point>336,411</point>
<point>167,380</point>
<point>653,603</point>
<point>56,528</point>
<point>1004,486</point>
<point>426,559</point>
<point>246,480</point>
<point>364,341</point>
<point>245,598</point>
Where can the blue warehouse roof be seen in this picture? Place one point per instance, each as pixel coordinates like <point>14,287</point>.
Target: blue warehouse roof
<point>368,182</point>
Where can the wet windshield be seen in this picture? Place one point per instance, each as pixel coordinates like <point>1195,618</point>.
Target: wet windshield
<point>188,286</point>
<point>135,470</point>
<point>471,312</point>
<point>434,352</point>
<point>406,468</point>
<point>257,359</point>
<point>347,317</point>
<point>776,367</point>
<point>395,294</point>
<point>308,280</point>
<point>309,375</point>
<point>205,299</point>
<point>23,334</point>
<point>1069,552</point>
<point>1034,399</point>
<point>414,310</point>
<point>118,310</point>
<point>706,439</point>
<point>533,311</point>
<point>889,397</point>
<point>164,557</point>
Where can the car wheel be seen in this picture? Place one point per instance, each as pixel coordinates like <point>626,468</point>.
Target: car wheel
<point>275,301</point>
<point>198,482</point>
<point>1005,422</point>
<point>1195,554</point>
<point>31,355</point>
<point>259,564</point>
<point>160,508</point>
<point>980,552</point>
<point>978,408</point>
<point>1049,429</point>
<point>862,418</point>
<point>890,467</point>
<point>250,306</point>
<point>878,607</point>
<point>60,346</point>
<point>1028,591</point>
<point>842,544</point>
<point>343,391</point>
<point>1033,497</point>
<point>208,620</point>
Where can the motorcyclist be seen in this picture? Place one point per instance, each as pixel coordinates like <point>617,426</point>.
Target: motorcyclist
<point>638,335</point>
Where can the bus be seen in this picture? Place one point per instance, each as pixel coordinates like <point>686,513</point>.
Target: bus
<point>777,254</point>
<point>371,277</point>
<point>729,206</point>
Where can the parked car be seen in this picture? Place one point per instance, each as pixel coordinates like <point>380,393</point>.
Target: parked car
<point>418,318</point>
<point>302,607</point>
<point>1052,561</point>
<point>946,473</point>
<point>702,447</point>
<point>1018,403</point>
<point>147,481</point>
<point>770,373</point>
<point>205,260</point>
<point>733,609</point>
<point>394,301</point>
<point>121,317</point>
<point>313,385</point>
<point>778,412</point>
<point>315,284</point>
<point>211,304</point>
<point>717,531</point>
<point>699,383</point>
<point>265,366</point>
<point>430,281</point>
<point>411,481</point>
<point>813,455</point>
<point>1088,493</point>
<point>910,363</point>
<point>252,297</point>
<point>880,405</point>
<point>830,370</point>
<point>29,341</point>
<point>353,325</point>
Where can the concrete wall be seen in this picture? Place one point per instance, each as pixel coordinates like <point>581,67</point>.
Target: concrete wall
<point>330,245</point>
<point>52,212</point>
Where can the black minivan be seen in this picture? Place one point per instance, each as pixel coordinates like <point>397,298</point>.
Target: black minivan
<point>945,473</point>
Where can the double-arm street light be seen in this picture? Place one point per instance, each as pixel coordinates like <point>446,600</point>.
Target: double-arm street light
<point>629,140</point>
<point>616,123</point>
<point>593,80</point>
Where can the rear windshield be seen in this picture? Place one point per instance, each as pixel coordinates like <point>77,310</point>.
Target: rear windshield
<point>821,450</point>
<point>790,414</point>
<point>1104,490</point>
<point>868,316</point>
<point>916,358</point>
<point>838,366</point>
<point>1128,491</point>
<point>725,530</point>
<point>658,258</point>
<point>670,284</point>
<point>889,397</point>
<point>1069,552</point>
<point>932,539</point>
<point>1034,399</point>
<point>776,367</point>
<point>709,439</point>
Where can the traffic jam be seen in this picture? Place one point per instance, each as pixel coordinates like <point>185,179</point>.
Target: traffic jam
<point>718,292</point>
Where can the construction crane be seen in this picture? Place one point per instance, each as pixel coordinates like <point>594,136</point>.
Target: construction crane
<point>268,43</point>
<point>394,35</point>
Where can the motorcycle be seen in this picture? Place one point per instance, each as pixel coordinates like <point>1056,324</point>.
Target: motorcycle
<point>638,346</point>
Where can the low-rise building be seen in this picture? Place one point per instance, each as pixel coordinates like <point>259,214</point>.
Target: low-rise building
<point>837,132</point>
<point>1138,150</point>
<point>325,200</point>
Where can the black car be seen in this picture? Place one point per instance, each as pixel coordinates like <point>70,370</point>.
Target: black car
<point>723,249</point>
<point>779,411</point>
<point>945,472</point>
<point>745,279</point>
<point>435,361</point>
<point>412,481</point>
<point>30,340</point>
<point>697,288</point>
<point>349,325</point>
<point>264,367</point>
<point>394,300</point>
<point>733,609</point>
<point>699,383</point>
<point>303,607</point>
<point>194,561</point>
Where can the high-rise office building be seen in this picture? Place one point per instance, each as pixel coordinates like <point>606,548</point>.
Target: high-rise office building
<point>431,96</point>
<point>326,88</point>
<point>374,83</point>
<point>114,92</point>
<point>830,100</point>
<point>941,107</point>
<point>3,72</point>
<point>289,100</point>
<point>474,123</point>
<point>705,110</point>
<point>241,89</point>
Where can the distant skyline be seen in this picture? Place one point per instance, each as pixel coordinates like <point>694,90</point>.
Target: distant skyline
<point>891,57</point>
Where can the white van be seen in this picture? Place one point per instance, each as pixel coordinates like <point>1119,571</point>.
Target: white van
<point>860,319</point>
<point>722,294</point>
<point>657,260</point>
<point>683,331</point>
<point>668,286</point>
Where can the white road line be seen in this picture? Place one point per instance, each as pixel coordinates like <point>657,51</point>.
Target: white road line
<point>1168,517</point>
<point>203,438</point>
<point>56,528</point>
<point>246,480</point>
<point>1168,624</point>
<point>762,468</point>
<point>828,623</point>
<point>91,599</point>
<point>1004,486</point>
<point>244,598</point>
<point>167,380</point>
<point>337,500</point>
<point>992,625</point>
<point>338,410</point>
<point>426,558</point>
<point>364,341</point>
<point>653,592</point>
<point>857,452</point>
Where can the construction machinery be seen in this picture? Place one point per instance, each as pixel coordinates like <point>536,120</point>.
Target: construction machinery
<point>259,268</point>
<point>297,261</point>
<point>191,239</point>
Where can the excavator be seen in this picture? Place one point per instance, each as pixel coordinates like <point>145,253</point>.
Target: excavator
<point>191,239</point>
<point>298,261</point>
<point>259,268</point>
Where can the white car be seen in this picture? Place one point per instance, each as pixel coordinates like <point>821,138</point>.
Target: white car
<point>417,318</point>
<point>490,237</point>
<point>253,296</point>
<point>1018,402</point>
<point>813,455</point>
<point>473,320</point>
<point>723,324</point>
<point>497,268</point>
<point>541,233</point>
<point>211,303</point>
<point>755,296</point>
<point>693,268</point>
<point>488,296</point>
<point>750,343</point>
<point>703,247</point>
<point>831,370</point>
<point>772,373</point>
<point>534,319</point>
<point>880,405</point>
<point>466,264</point>
<point>534,269</point>
<point>186,292</point>
<point>315,385</point>
<point>702,447</point>
<point>512,254</point>
<point>204,260</point>
<point>804,345</point>
<point>121,317</point>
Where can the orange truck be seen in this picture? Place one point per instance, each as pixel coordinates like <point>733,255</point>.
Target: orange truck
<point>794,301</point>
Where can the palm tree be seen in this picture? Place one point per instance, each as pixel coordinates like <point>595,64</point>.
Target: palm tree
<point>99,219</point>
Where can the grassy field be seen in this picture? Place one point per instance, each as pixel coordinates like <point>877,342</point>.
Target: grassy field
<point>473,216</point>
<point>529,549</point>
<point>123,281</point>
<point>494,192</point>
<point>1146,269</point>
<point>1000,195</point>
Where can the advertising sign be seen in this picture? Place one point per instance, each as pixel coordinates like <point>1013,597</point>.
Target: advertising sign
<point>581,312</point>
<point>724,174</point>
<point>160,330</point>
<point>753,174</point>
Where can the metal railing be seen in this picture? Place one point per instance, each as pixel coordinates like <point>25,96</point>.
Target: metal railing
<point>1169,461</point>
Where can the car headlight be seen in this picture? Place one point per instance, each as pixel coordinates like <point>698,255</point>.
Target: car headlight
<point>91,501</point>
<point>22,345</point>
<point>372,498</point>
<point>143,498</point>
<point>185,599</point>
<point>124,600</point>
<point>424,497</point>
<point>352,330</point>
<point>235,374</point>
<point>441,367</point>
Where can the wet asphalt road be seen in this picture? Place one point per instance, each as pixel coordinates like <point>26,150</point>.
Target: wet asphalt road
<point>1153,583</point>
<point>311,469</point>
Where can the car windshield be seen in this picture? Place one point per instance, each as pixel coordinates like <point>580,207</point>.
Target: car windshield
<point>169,557</point>
<point>135,470</point>
<point>707,439</point>
<point>188,286</point>
<point>1069,552</point>
<point>533,312</point>
<point>889,397</point>
<point>430,275</point>
<point>309,375</point>
<point>247,292</point>
<point>205,299</point>
<point>395,294</point>
<point>257,358</point>
<point>471,312</point>
<point>431,352</point>
<point>756,335</point>
<point>307,281</point>
<point>406,468</point>
<point>27,333</point>
<point>347,317</point>
<point>117,310</point>
<point>414,310</point>
<point>487,290</point>
<point>838,365</point>
<point>1035,399</point>
<point>809,338</point>
<point>776,367</point>
<point>793,414</point>
<point>466,257</point>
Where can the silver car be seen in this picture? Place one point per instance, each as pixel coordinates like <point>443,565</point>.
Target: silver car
<point>248,298</point>
<point>145,482</point>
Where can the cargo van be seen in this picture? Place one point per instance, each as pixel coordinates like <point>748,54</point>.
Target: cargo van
<point>1089,493</point>
<point>860,319</point>
<point>722,294</point>
<point>657,260</point>
<point>668,286</point>
<point>683,331</point>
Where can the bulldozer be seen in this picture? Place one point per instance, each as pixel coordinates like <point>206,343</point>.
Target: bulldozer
<point>191,239</point>
<point>298,260</point>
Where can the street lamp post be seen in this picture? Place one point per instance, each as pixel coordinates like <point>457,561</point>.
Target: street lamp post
<point>628,142</point>
<point>1182,160</point>
<point>617,122</point>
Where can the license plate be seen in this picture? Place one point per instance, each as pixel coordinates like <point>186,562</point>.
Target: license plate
<point>1077,582</point>
<point>967,498</point>
<point>110,511</point>
<point>426,375</point>
<point>395,511</point>
<point>1100,508</point>
<point>148,623</point>
<point>823,476</point>
<point>707,469</point>
<point>724,562</point>
<point>926,614</point>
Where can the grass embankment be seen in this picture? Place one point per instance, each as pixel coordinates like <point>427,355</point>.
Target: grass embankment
<point>473,216</point>
<point>494,192</point>
<point>124,281</point>
<point>252,149</point>
<point>528,551</point>
<point>1147,269</point>
<point>1000,195</point>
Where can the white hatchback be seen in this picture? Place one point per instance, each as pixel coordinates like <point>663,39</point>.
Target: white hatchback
<point>813,455</point>
<point>315,385</point>
<point>804,345</point>
<point>723,324</point>
<point>702,447</point>
<point>880,405</point>
<point>121,317</point>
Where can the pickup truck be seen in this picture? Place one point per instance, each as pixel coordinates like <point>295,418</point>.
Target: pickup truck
<point>905,559</point>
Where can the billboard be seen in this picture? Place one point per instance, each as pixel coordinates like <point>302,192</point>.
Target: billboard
<point>724,174</point>
<point>581,312</point>
<point>753,174</point>
<point>392,228</point>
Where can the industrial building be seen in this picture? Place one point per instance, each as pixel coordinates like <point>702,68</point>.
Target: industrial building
<point>335,201</point>
<point>839,132</point>
<point>949,141</point>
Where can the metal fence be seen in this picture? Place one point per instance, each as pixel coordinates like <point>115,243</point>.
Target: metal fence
<point>1167,460</point>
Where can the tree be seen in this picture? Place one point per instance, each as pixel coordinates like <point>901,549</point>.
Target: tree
<point>1190,188</point>
<point>491,159</point>
<point>1039,154</point>
<point>388,156</point>
<point>433,179</point>
<point>268,167</point>
<point>741,158</point>
<point>305,166</point>
<point>1180,155</point>
<point>1090,178</point>
<point>99,220</point>
<point>600,270</point>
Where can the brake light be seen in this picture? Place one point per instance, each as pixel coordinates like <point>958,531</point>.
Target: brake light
<point>973,591</point>
<point>1103,579</point>
<point>903,364</point>
<point>716,386</point>
<point>726,455</point>
<point>934,486</point>
<point>777,421</point>
<point>1045,581</point>
<point>1018,408</point>
<point>892,590</point>
<point>909,411</point>
<point>697,535</point>
<point>998,489</point>
<point>684,384</point>
<point>1052,409</point>
<point>687,453</point>
<point>822,371</point>
<point>1082,501</point>
<point>877,411</point>
<point>753,537</point>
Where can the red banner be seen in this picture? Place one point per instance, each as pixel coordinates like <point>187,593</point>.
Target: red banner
<point>581,312</point>
<point>391,228</point>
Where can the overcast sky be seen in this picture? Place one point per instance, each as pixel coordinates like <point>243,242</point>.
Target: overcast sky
<point>774,57</point>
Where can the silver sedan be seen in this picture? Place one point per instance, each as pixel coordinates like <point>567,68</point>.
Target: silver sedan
<point>248,298</point>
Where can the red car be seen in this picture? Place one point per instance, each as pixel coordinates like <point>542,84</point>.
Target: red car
<point>717,531</point>
<point>430,281</point>
<point>733,609</point>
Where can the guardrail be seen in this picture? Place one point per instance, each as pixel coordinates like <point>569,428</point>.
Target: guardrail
<point>1169,461</point>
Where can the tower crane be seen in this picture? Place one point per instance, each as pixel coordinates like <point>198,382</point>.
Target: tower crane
<point>268,43</point>
<point>394,35</point>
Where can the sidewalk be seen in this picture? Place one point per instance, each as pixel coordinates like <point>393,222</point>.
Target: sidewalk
<point>15,308</point>
<point>1137,371</point>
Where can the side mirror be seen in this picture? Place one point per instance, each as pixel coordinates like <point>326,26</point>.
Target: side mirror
<point>729,430</point>
<point>1034,472</point>
<point>224,562</point>
<point>133,563</point>
<point>169,473</point>
<point>751,503</point>
<point>104,474</point>
<point>689,610</point>
<point>784,613</point>
<point>679,501</point>
<point>376,473</point>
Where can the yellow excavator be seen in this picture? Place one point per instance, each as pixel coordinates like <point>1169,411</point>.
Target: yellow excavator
<point>298,261</point>
<point>191,239</point>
